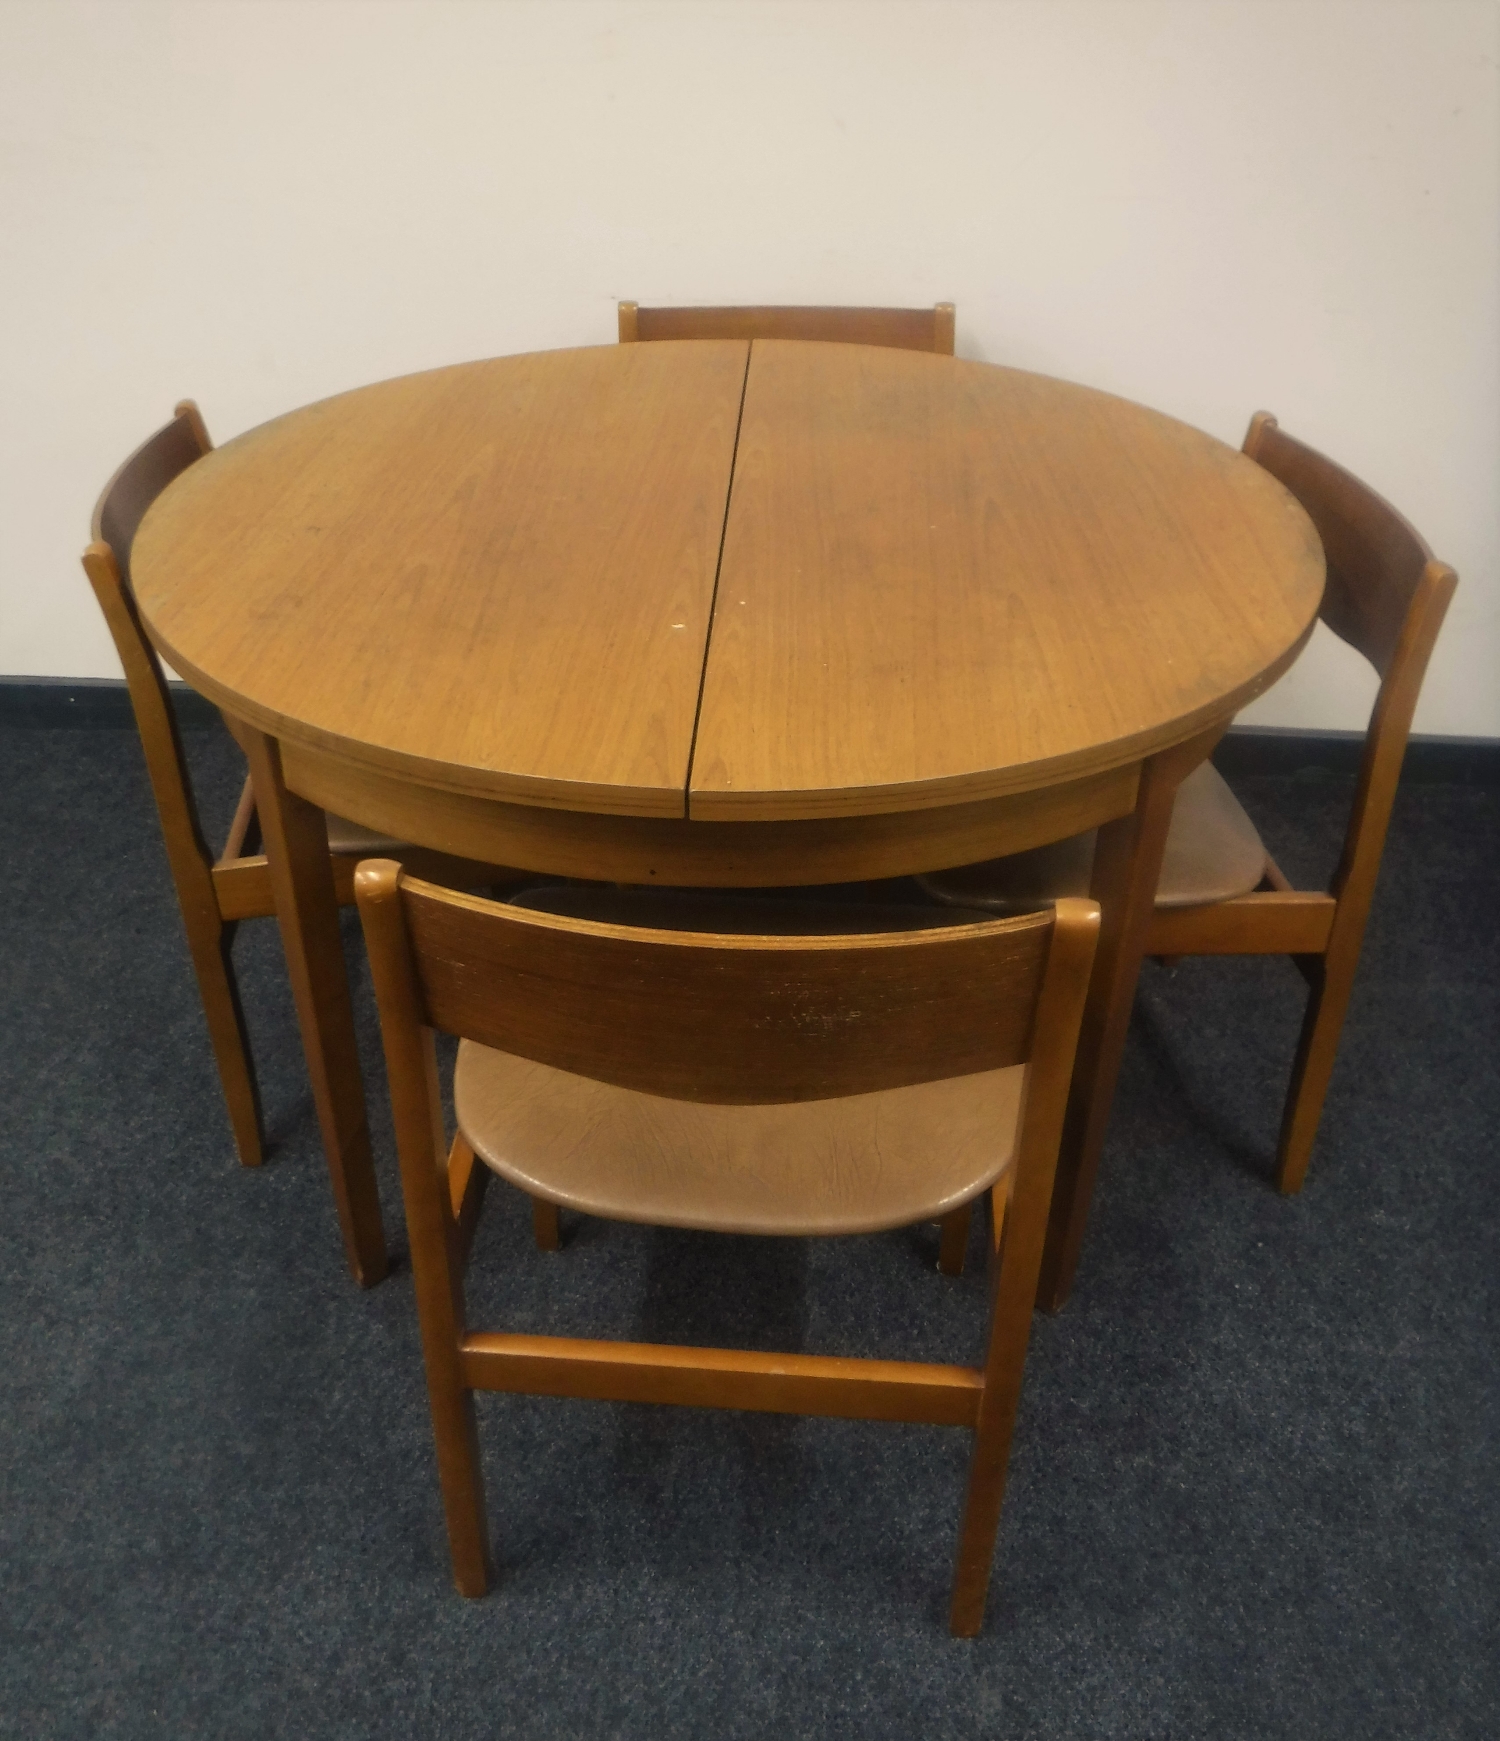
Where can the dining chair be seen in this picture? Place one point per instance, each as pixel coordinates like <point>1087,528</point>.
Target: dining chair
<point>214,893</point>
<point>1220,891</point>
<point>902,329</point>
<point>686,1069</point>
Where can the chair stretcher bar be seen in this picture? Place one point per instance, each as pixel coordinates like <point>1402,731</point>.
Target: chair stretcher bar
<point>801,1384</point>
<point>1267,922</point>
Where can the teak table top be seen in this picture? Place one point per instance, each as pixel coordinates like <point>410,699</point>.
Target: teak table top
<point>728,581</point>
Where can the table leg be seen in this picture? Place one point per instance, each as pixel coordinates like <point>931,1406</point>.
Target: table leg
<point>295,834</point>
<point>1127,864</point>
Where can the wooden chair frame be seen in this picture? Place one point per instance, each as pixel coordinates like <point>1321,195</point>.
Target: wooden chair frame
<point>1387,598</point>
<point>214,891</point>
<point>533,983</point>
<point>906,329</point>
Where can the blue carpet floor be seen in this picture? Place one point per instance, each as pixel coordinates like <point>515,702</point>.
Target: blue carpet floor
<point>1256,1484</point>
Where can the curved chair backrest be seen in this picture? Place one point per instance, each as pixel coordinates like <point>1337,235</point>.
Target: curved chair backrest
<point>715,1017</point>
<point>1387,597</point>
<point>117,514</point>
<point>141,479</point>
<point>904,329</point>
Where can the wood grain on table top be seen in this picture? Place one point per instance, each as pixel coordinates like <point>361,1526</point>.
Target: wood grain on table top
<point>496,577</point>
<point>942,580</point>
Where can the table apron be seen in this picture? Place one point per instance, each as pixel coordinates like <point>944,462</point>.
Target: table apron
<point>674,850</point>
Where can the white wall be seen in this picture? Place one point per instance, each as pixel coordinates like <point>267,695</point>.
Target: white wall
<point>1209,207</point>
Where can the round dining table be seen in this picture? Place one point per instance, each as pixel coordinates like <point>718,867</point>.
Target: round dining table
<point>724,613</point>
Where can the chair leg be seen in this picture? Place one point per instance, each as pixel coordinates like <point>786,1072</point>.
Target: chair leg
<point>468,1181</point>
<point>459,1474</point>
<point>955,1241</point>
<point>1327,1005</point>
<point>1015,1241</point>
<point>999,1212</point>
<point>208,944</point>
<point>546,1225</point>
<point>986,1494</point>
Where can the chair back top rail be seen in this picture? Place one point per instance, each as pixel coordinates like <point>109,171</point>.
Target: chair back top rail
<point>906,329</point>
<point>143,476</point>
<point>121,506</point>
<point>1387,597</point>
<point>1376,558</point>
<point>731,1019</point>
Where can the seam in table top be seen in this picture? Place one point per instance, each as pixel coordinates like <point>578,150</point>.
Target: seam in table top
<point>713,603</point>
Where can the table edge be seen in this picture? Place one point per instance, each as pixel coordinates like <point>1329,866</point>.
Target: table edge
<point>713,805</point>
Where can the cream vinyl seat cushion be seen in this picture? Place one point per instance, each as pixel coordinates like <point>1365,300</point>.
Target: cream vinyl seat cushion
<point>348,839</point>
<point>1213,853</point>
<point>854,1165</point>
<point>351,840</point>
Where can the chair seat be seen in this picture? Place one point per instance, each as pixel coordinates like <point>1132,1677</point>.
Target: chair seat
<point>1213,853</point>
<point>346,839</point>
<point>349,840</point>
<point>853,1165</point>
